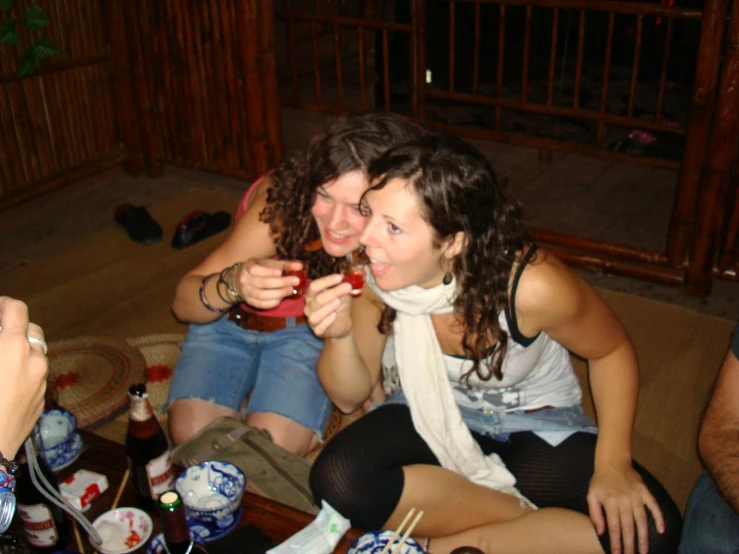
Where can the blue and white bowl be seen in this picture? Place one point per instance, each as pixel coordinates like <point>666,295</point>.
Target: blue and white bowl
<point>61,455</point>
<point>375,541</point>
<point>211,492</point>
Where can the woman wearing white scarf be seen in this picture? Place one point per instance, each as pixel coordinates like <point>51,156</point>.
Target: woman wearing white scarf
<point>448,253</point>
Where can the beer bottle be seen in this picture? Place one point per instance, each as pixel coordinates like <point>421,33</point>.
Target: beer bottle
<point>45,525</point>
<point>177,537</point>
<point>147,450</point>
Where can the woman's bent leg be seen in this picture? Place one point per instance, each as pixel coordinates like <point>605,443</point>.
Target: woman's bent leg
<point>214,373</point>
<point>559,476</point>
<point>288,400</point>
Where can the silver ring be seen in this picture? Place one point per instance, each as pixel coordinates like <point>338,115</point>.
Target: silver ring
<point>38,340</point>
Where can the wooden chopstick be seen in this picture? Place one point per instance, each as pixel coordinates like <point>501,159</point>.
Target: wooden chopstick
<point>120,489</point>
<point>399,529</point>
<point>77,537</point>
<point>407,533</point>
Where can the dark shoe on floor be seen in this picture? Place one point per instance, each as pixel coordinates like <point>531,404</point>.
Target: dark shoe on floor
<point>199,225</point>
<point>140,225</point>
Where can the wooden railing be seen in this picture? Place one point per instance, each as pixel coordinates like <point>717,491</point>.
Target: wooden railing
<point>512,75</point>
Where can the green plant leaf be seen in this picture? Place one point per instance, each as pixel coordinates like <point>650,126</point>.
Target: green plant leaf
<point>36,19</point>
<point>5,4</point>
<point>8,32</point>
<point>27,64</point>
<point>44,48</point>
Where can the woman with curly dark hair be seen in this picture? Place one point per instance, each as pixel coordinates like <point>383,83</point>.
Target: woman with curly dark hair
<point>486,435</point>
<point>247,334</point>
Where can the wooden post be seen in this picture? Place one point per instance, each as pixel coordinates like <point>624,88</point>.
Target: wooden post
<point>123,87</point>
<point>248,33</point>
<point>722,149</point>
<point>418,45</point>
<point>268,72</point>
<point>142,96</point>
<point>682,222</point>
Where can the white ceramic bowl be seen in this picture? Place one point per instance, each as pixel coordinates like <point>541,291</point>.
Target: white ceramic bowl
<point>211,492</point>
<point>375,541</point>
<point>123,530</point>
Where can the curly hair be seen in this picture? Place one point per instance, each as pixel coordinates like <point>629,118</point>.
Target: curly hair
<point>458,191</point>
<point>349,144</point>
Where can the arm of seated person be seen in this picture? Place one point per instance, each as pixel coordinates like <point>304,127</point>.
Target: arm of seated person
<point>249,240</point>
<point>350,366</point>
<point>719,436</point>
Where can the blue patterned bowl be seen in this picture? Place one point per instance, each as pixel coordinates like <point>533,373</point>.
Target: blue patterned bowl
<point>63,454</point>
<point>211,492</point>
<point>375,541</point>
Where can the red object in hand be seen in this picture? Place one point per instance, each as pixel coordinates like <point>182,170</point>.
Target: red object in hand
<point>300,274</point>
<point>356,280</point>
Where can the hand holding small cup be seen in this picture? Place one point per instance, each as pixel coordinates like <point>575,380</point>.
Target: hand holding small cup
<point>265,283</point>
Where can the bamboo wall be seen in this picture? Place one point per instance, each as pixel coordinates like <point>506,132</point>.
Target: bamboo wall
<point>204,84</point>
<point>58,126</point>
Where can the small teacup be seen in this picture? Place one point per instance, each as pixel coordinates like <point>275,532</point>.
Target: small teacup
<point>211,492</point>
<point>300,274</point>
<point>54,427</point>
<point>353,273</point>
<point>56,439</point>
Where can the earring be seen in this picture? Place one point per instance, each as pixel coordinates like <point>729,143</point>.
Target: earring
<point>447,278</point>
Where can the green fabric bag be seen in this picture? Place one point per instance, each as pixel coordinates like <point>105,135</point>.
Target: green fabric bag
<point>278,474</point>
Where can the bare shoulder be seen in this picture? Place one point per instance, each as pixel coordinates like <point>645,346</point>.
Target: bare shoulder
<point>549,293</point>
<point>367,307</point>
<point>250,237</point>
<point>546,283</point>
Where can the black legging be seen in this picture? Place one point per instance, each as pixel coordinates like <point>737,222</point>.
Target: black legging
<point>360,472</point>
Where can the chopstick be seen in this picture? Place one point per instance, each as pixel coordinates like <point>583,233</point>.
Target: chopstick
<point>77,537</point>
<point>120,489</point>
<point>406,534</point>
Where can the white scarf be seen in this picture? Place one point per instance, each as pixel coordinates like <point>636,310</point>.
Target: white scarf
<point>426,387</point>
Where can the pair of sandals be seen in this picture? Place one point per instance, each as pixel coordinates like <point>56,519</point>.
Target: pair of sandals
<point>194,227</point>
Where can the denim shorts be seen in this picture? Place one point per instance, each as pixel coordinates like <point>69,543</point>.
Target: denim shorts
<point>552,425</point>
<point>223,363</point>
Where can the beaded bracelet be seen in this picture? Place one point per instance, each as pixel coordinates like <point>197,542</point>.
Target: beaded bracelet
<point>204,300</point>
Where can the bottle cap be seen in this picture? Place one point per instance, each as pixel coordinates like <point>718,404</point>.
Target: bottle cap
<point>169,500</point>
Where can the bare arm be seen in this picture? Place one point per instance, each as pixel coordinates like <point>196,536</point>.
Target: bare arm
<point>350,363</point>
<point>249,240</point>
<point>24,368</point>
<point>556,300</point>
<point>719,436</point>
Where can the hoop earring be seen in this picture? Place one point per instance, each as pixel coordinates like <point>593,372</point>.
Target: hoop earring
<point>447,278</point>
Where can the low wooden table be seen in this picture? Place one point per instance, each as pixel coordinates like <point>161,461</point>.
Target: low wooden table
<point>274,519</point>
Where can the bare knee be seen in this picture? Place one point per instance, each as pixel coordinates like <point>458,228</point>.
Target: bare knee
<point>187,416</point>
<point>285,433</point>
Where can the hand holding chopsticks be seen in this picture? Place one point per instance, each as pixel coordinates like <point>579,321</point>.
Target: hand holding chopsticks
<point>406,534</point>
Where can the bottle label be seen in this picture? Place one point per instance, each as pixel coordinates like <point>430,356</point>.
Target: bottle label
<point>38,523</point>
<point>160,475</point>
